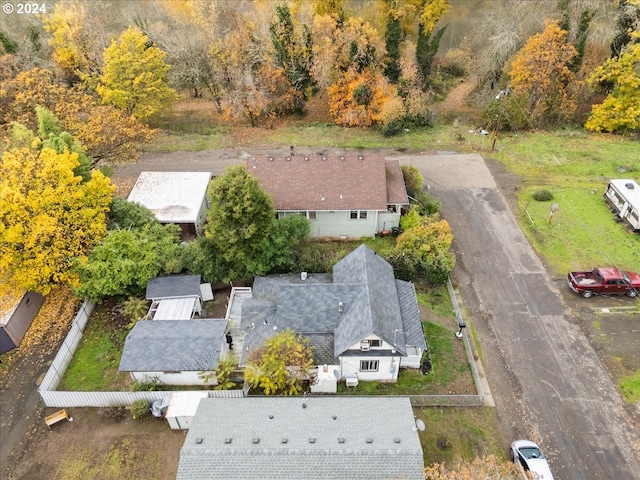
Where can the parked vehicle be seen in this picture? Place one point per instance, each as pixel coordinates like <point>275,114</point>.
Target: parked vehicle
<point>623,199</point>
<point>528,455</point>
<point>604,281</point>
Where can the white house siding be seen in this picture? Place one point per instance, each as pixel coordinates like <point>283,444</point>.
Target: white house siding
<point>388,220</point>
<point>387,368</point>
<point>170,378</point>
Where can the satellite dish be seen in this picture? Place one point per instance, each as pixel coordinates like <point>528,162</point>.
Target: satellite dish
<point>419,426</point>
<point>336,374</point>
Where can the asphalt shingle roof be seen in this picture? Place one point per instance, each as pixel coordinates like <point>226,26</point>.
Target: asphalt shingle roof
<point>278,439</point>
<point>373,302</point>
<point>173,345</point>
<point>319,182</point>
<point>173,286</point>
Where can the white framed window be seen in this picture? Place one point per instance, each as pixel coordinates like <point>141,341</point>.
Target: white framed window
<point>363,214</point>
<point>368,365</point>
<point>354,215</point>
<point>312,215</point>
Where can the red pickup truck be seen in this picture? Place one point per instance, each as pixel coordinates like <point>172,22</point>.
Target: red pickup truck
<point>604,281</point>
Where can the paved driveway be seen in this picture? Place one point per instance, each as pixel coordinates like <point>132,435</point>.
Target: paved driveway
<point>548,383</point>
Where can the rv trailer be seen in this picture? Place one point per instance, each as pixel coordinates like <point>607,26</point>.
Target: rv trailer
<point>623,199</point>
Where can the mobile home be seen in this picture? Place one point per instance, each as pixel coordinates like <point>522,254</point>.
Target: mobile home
<point>623,198</point>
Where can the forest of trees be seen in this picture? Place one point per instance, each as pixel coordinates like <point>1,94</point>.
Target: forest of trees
<point>374,62</point>
<point>85,84</point>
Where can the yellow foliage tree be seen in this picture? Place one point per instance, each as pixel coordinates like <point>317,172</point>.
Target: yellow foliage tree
<point>620,110</point>
<point>541,71</point>
<point>358,99</point>
<point>49,217</point>
<point>106,133</point>
<point>70,40</point>
<point>134,76</point>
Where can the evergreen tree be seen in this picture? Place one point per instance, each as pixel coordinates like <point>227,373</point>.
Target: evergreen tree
<point>392,39</point>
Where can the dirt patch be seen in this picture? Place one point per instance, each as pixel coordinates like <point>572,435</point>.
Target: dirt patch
<point>94,447</point>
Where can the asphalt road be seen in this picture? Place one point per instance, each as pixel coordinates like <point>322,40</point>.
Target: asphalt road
<point>548,383</point>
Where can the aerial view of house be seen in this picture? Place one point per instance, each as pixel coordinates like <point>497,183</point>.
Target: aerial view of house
<point>296,438</point>
<point>362,321</point>
<point>343,196</point>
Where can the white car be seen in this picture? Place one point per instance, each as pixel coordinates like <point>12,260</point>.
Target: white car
<point>528,455</point>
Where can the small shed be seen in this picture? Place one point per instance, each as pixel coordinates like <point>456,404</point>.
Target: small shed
<point>17,311</point>
<point>174,197</point>
<point>182,408</point>
<point>174,297</point>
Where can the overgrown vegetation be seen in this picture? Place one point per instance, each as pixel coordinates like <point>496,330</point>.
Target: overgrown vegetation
<point>630,388</point>
<point>94,365</point>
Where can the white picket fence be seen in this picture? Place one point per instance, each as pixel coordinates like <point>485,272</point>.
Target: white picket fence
<point>65,399</point>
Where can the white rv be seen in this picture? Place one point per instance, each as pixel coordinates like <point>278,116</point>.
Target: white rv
<point>623,198</point>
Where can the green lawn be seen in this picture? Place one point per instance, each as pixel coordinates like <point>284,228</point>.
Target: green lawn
<point>94,366</point>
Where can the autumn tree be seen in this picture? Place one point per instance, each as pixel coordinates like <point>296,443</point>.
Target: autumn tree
<point>620,110</point>
<point>281,365</point>
<point>541,71</point>
<point>238,221</point>
<point>134,77</point>
<point>426,251</point>
<point>342,46</point>
<point>358,98</point>
<point>50,217</point>
<point>489,467</point>
<point>125,261</point>
<point>73,42</point>
<point>428,43</point>
<point>106,133</point>
<point>628,21</point>
<point>293,51</point>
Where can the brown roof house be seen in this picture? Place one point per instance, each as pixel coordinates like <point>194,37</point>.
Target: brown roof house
<point>343,196</point>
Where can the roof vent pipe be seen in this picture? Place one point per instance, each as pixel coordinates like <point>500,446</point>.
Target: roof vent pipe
<point>339,307</point>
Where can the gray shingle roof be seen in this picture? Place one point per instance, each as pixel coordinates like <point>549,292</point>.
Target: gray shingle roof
<point>243,439</point>
<point>381,307</point>
<point>410,314</point>
<point>173,286</point>
<point>373,302</point>
<point>173,345</point>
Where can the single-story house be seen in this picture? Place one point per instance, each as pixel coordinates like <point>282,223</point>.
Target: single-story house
<point>324,438</point>
<point>362,321</point>
<point>342,196</point>
<point>173,352</point>
<point>174,297</point>
<point>174,197</point>
<point>17,311</point>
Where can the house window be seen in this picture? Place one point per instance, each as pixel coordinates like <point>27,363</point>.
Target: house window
<point>363,214</point>
<point>375,343</point>
<point>312,215</point>
<point>354,214</point>
<point>369,365</point>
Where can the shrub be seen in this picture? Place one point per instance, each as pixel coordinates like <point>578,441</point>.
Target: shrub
<point>150,386</point>
<point>140,409</point>
<point>542,195</point>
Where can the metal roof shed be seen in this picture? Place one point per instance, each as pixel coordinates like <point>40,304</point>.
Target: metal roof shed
<point>174,197</point>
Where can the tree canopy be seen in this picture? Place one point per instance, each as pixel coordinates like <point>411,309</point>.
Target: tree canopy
<point>281,365</point>
<point>542,70</point>
<point>50,217</point>
<point>620,110</point>
<point>239,219</point>
<point>134,76</point>
<point>125,261</point>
